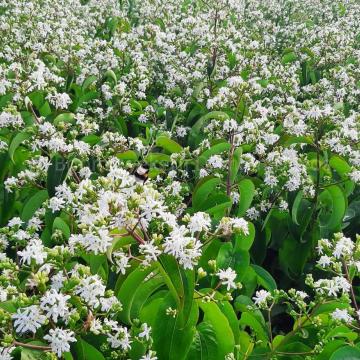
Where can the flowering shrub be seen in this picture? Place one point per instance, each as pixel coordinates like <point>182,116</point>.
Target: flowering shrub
<point>180,179</point>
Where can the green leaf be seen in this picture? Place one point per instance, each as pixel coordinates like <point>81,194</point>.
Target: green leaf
<point>143,292</point>
<point>5,99</point>
<point>33,204</point>
<point>203,189</point>
<point>228,310</point>
<point>334,206</point>
<point>56,173</point>
<point>204,345</point>
<point>215,149</point>
<point>37,98</point>
<point>127,293</point>
<point>45,109</point>
<point>195,135</point>
<point>29,354</point>
<point>67,356</point>
<point>168,144</point>
<point>342,332</point>
<point>346,353</point>
<point>60,224</point>
<point>121,126</point>
<point>301,215</point>
<point>329,349</point>
<point>171,339</point>
<point>157,158</point>
<point>180,282</point>
<point>64,117</point>
<point>224,335</point>
<point>216,205</point>
<point>130,155</point>
<point>85,351</point>
<point>32,354</point>
<point>235,164</point>
<point>293,347</point>
<point>343,169</point>
<point>339,164</point>
<point>16,142</point>
<point>296,206</point>
<point>293,254</point>
<point>330,307</point>
<point>91,139</point>
<point>247,191</point>
<point>8,306</point>
<point>217,115</point>
<point>110,75</point>
<point>88,81</point>
<point>244,242</point>
<point>91,95</point>
<point>238,260</point>
<point>119,241</point>
<point>264,278</point>
<point>151,308</point>
<point>289,58</point>
<point>248,319</point>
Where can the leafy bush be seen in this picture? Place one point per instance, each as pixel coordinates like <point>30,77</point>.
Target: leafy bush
<point>179,179</point>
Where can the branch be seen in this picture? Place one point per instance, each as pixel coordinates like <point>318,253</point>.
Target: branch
<point>32,346</point>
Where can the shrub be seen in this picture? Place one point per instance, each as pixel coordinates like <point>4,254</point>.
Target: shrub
<point>179,179</point>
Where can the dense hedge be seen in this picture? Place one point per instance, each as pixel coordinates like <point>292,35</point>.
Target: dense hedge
<point>179,179</point>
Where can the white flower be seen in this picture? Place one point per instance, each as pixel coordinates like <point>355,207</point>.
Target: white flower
<point>85,172</point>
<point>3,294</point>
<point>324,261</point>
<point>150,250</point>
<point>60,340</point>
<point>56,204</point>
<point>60,100</point>
<point>90,289</point>
<point>332,286</point>
<point>185,248</point>
<point>54,304</point>
<point>229,225</point>
<point>16,221</point>
<point>95,326</point>
<point>28,319</point>
<point>302,294</point>
<point>216,162</point>
<point>342,283</point>
<point>145,331</point>
<point>96,243</point>
<point>235,197</point>
<point>343,247</point>
<point>120,339</point>
<point>5,353</point>
<point>121,261</point>
<point>203,173</point>
<point>252,213</point>
<point>227,278</point>
<point>261,297</point>
<point>200,221</point>
<point>108,303</point>
<point>33,251</point>
<point>341,315</point>
<point>149,356</point>
<point>57,281</point>
<point>355,176</point>
<point>181,131</point>
<point>241,225</point>
<point>323,243</point>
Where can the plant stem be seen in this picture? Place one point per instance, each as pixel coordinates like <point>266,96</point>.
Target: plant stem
<point>352,293</point>
<point>32,346</point>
